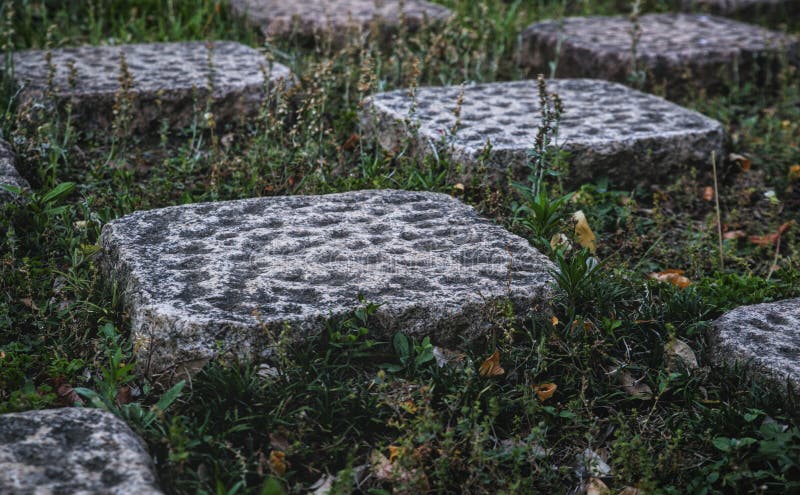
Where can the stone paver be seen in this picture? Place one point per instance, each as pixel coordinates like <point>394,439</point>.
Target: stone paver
<point>72,450</point>
<point>675,50</point>
<point>741,7</point>
<point>169,81</point>
<point>8,173</point>
<point>609,129</point>
<point>335,17</point>
<point>764,336</point>
<point>207,277</point>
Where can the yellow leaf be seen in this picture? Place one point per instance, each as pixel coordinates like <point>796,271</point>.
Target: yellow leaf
<point>674,277</point>
<point>742,160</point>
<point>277,462</point>
<point>794,172</point>
<point>394,451</point>
<point>584,233</point>
<point>554,320</point>
<point>491,367</point>
<point>545,391</point>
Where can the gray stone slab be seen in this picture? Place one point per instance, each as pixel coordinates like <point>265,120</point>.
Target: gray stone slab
<point>335,17</point>
<point>8,173</point>
<point>675,50</point>
<point>171,81</point>
<point>218,277</point>
<point>766,337</point>
<point>608,128</point>
<point>738,8</point>
<point>72,450</point>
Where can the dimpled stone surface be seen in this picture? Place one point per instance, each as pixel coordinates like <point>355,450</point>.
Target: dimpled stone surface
<point>72,450</point>
<point>609,129</point>
<point>674,49</point>
<point>765,336</point>
<point>170,81</point>
<point>742,7</point>
<point>204,277</point>
<point>8,173</point>
<point>309,17</point>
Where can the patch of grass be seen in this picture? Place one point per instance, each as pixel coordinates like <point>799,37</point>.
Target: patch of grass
<point>383,416</point>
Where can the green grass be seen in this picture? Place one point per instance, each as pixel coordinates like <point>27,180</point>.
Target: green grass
<point>339,402</point>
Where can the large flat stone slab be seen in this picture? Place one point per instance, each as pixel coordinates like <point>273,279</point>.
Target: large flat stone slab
<point>8,173</point>
<point>72,450</point>
<point>217,277</point>
<point>608,128</point>
<point>675,50</point>
<point>170,81</point>
<point>335,17</point>
<point>764,336</point>
<point>741,8</point>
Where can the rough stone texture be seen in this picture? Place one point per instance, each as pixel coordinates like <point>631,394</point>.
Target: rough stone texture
<point>8,173</point>
<point>741,8</point>
<point>675,50</point>
<point>204,277</point>
<point>335,17</point>
<point>170,81</point>
<point>72,451</point>
<point>764,336</point>
<point>609,129</point>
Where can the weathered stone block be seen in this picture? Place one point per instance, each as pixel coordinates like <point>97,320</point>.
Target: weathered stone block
<point>72,450</point>
<point>204,278</point>
<point>675,50</point>
<point>8,173</point>
<point>335,17</point>
<point>766,337</point>
<point>740,8</point>
<point>609,129</point>
<point>168,81</point>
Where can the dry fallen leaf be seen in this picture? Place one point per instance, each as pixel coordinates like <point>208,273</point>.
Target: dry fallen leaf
<point>708,193</point>
<point>67,395</point>
<point>586,237</point>
<point>742,160</point>
<point>771,239</point>
<point>559,241</point>
<point>458,188</point>
<point>794,172</point>
<point>734,234</point>
<point>595,486</point>
<point>277,462</point>
<point>28,302</point>
<point>278,441</point>
<point>554,320</point>
<point>351,142</point>
<point>491,367</point>
<point>124,395</point>
<point>545,391</point>
<point>674,277</point>
<point>634,388</point>
<point>679,354</point>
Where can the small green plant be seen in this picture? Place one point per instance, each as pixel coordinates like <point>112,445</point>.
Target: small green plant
<point>412,356</point>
